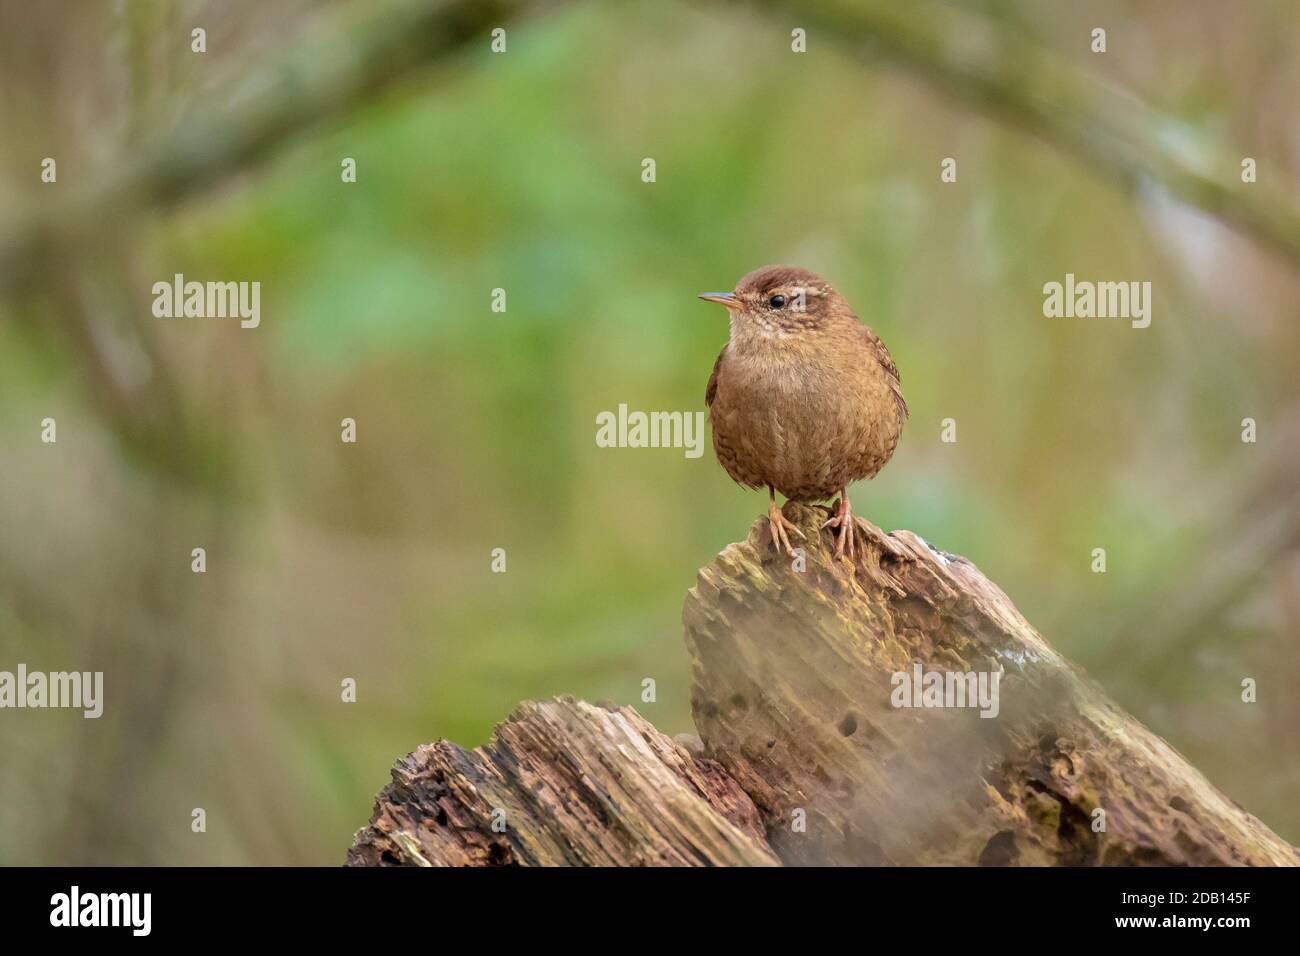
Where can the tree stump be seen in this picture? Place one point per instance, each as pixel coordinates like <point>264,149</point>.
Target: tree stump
<point>806,759</point>
<point>562,783</point>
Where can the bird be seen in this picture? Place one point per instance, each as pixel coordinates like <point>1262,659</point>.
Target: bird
<point>804,398</point>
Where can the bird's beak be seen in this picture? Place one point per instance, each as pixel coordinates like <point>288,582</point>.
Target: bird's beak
<point>723,298</point>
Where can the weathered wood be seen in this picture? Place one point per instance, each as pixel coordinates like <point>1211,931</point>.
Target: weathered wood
<point>568,783</point>
<point>804,757</point>
<point>792,673</point>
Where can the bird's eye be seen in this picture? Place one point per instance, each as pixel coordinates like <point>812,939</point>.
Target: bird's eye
<point>777,302</point>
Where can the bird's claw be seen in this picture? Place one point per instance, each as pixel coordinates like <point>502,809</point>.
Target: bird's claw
<point>846,540</point>
<point>779,524</point>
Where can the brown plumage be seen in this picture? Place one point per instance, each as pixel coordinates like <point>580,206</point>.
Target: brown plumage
<point>804,399</point>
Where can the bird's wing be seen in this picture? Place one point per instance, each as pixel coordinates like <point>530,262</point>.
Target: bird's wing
<point>877,348</point>
<point>711,390</point>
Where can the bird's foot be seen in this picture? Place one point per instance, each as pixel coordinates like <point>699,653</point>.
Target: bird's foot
<point>846,540</point>
<point>779,525</point>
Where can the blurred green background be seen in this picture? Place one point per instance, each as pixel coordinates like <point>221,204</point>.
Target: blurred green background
<point>476,429</point>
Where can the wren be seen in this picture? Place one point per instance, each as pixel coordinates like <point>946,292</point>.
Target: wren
<point>804,398</point>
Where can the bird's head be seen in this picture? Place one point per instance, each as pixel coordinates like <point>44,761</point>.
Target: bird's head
<point>780,301</point>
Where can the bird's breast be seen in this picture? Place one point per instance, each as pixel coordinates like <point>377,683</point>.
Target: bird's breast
<point>805,420</point>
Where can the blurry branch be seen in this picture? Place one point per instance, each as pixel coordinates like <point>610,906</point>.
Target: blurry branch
<point>984,65</point>
<point>332,71</point>
<point>50,253</point>
<point>371,47</point>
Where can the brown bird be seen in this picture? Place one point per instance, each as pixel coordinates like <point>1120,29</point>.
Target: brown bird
<point>804,399</point>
